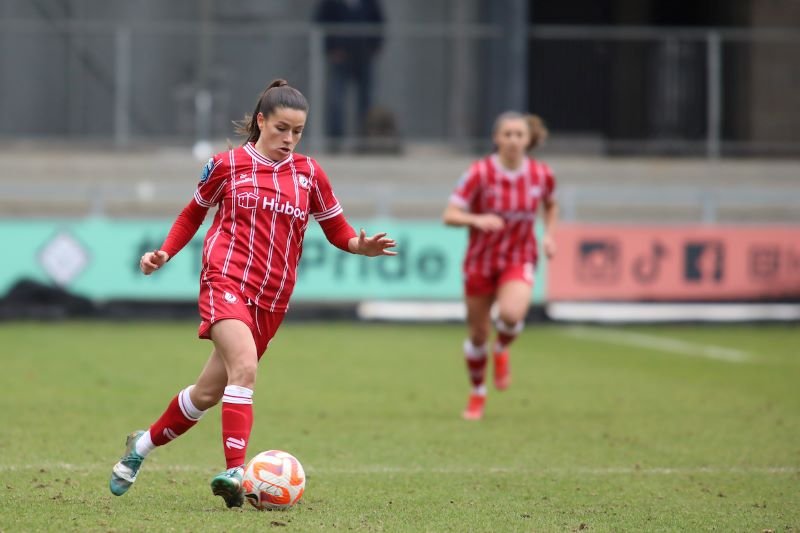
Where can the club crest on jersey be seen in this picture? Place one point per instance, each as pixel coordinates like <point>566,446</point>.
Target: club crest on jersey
<point>247,200</point>
<point>535,191</point>
<point>207,170</point>
<point>230,298</point>
<point>303,181</point>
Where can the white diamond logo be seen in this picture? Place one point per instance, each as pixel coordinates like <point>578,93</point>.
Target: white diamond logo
<point>63,258</point>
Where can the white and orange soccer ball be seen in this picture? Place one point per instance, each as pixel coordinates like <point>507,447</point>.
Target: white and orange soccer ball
<point>273,480</point>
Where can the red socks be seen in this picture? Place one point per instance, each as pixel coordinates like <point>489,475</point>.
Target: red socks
<point>179,417</point>
<point>475,357</point>
<point>237,421</point>
<point>506,334</point>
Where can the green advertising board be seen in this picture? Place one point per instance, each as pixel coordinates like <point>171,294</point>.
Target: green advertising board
<point>98,258</point>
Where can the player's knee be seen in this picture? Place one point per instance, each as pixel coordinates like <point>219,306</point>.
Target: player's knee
<point>511,324</point>
<point>243,373</point>
<point>205,398</point>
<point>512,315</point>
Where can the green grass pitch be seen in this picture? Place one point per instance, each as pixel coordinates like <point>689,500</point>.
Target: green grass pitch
<point>629,429</point>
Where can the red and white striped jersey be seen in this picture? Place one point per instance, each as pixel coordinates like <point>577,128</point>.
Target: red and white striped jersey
<point>514,195</point>
<point>256,238</point>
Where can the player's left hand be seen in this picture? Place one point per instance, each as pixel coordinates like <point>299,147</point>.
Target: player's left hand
<point>373,246</point>
<point>549,245</point>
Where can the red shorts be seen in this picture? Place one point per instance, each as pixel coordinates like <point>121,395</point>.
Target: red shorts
<point>222,299</point>
<point>479,285</point>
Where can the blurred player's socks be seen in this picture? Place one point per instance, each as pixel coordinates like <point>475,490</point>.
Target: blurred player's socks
<point>180,416</point>
<point>505,336</point>
<point>475,357</point>
<point>237,421</point>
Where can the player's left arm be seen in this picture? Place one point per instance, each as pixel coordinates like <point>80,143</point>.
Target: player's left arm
<point>328,212</point>
<point>341,234</point>
<point>550,215</point>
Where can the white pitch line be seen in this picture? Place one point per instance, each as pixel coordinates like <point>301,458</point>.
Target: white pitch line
<point>389,469</point>
<point>657,342</point>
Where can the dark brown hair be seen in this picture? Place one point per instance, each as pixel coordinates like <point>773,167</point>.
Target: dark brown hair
<point>536,126</point>
<point>538,129</point>
<point>277,94</point>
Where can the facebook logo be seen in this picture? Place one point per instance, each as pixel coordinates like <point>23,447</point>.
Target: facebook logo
<point>704,261</point>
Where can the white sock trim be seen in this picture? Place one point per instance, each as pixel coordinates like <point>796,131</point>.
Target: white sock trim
<point>474,352</point>
<point>480,390</point>
<point>145,444</point>
<point>187,407</point>
<point>502,327</point>
<point>238,395</point>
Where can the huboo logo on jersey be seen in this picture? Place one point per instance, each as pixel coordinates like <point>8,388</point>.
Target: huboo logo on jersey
<point>249,200</point>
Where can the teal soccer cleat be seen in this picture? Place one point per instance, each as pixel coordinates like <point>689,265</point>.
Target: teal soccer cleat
<point>228,484</point>
<point>125,471</point>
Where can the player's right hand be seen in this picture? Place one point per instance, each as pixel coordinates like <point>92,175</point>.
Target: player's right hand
<point>152,261</point>
<point>488,222</point>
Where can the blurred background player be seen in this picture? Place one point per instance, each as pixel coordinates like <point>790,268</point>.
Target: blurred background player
<point>264,193</point>
<point>498,199</point>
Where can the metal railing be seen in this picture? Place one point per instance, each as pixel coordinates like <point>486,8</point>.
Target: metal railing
<point>123,81</point>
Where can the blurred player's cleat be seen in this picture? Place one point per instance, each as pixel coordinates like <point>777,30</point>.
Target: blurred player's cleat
<point>502,371</point>
<point>474,410</point>
<point>125,471</point>
<point>228,484</point>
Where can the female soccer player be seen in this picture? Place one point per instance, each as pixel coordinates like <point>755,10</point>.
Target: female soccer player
<point>265,194</point>
<point>497,198</point>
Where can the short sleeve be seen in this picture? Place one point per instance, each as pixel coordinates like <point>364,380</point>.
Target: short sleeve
<point>467,187</point>
<point>212,181</point>
<point>324,204</point>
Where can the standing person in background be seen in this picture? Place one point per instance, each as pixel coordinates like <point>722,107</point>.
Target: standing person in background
<point>498,198</point>
<point>349,59</point>
<point>265,193</point>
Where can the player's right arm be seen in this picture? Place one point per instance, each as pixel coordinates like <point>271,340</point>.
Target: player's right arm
<point>207,194</point>
<point>458,213</point>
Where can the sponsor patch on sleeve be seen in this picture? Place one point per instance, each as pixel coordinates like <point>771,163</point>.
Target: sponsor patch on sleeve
<point>207,170</point>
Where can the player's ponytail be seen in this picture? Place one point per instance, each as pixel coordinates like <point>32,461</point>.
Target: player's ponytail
<point>277,94</point>
<point>538,129</point>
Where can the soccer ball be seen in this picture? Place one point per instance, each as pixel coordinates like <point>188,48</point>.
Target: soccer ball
<point>273,480</point>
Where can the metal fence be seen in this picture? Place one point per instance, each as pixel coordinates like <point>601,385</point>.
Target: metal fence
<point>602,89</point>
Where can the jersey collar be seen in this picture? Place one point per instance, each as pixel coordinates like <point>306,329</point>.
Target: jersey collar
<point>251,149</point>
<point>508,173</point>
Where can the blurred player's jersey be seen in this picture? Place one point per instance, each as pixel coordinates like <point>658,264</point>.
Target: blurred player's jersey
<point>514,195</point>
<point>264,207</point>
